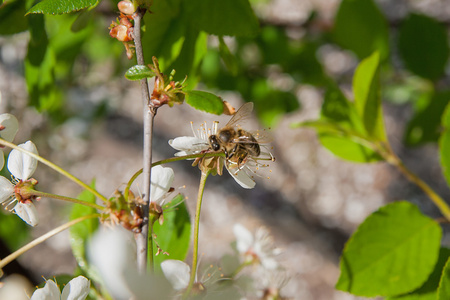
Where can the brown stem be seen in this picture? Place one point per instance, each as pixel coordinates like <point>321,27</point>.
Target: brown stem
<point>149,115</point>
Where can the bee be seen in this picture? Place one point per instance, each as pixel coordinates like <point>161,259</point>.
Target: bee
<point>237,143</point>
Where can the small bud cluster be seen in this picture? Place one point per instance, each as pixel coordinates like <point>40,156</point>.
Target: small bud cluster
<point>163,92</point>
<point>122,29</point>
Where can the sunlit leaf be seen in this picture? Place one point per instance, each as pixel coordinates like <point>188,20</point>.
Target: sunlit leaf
<point>56,7</point>
<point>205,101</point>
<point>139,72</point>
<point>366,89</point>
<point>428,290</point>
<point>392,252</point>
<point>444,144</point>
<point>444,284</point>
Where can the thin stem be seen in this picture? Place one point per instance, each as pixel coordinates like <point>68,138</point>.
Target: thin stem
<point>201,189</point>
<point>142,239</point>
<point>435,198</point>
<point>56,168</point>
<point>43,238</point>
<point>68,199</point>
<point>240,268</point>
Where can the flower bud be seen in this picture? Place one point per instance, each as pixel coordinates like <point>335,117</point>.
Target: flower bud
<point>126,7</point>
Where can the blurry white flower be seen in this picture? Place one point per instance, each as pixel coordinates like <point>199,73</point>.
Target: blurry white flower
<point>76,289</point>
<point>177,272</point>
<point>113,252</point>
<point>21,166</point>
<point>162,179</point>
<point>8,129</point>
<point>258,248</point>
<point>199,143</point>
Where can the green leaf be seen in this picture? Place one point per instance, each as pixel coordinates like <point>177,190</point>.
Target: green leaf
<point>57,7</point>
<point>164,33</point>
<point>366,89</point>
<point>392,252</point>
<point>228,58</point>
<point>205,101</point>
<point>444,144</point>
<point>173,236</point>
<point>423,45</point>
<point>360,26</point>
<point>428,290</point>
<point>347,140</point>
<point>40,64</point>
<point>82,232</point>
<point>425,125</point>
<point>231,17</point>
<point>12,19</point>
<point>444,284</point>
<point>139,72</point>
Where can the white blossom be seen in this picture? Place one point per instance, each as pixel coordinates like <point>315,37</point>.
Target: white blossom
<point>112,251</point>
<point>76,289</point>
<point>177,272</point>
<point>8,129</point>
<point>22,167</point>
<point>162,179</point>
<point>258,248</point>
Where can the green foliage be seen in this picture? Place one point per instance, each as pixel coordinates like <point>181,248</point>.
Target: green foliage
<point>366,89</point>
<point>423,45</point>
<point>360,26</point>
<point>139,72</point>
<point>232,17</point>
<point>429,289</point>
<point>425,125</point>
<point>205,101</point>
<point>173,236</point>
<point>12,17</point>
<point>351,130</point>
<point>81,233</point>
<point>444,144</point>
<point>444,284</point>
<point>61,6</point>
<point>392,252</point>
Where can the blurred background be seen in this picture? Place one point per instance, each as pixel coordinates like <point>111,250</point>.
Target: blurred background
<point>85,116</point>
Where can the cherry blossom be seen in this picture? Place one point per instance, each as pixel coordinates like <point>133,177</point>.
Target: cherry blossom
<point>76,289</point>
<point>21,166</point>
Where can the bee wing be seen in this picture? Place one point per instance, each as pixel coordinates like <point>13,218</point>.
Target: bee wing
<point>241,115</point>
<point>262,136</point>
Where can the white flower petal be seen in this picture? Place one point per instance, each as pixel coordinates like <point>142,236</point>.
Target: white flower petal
<point>11,127</point>
<point>244,238</point>
<point>269,263</point>
<point>27,212</point>
<point>177,272</point>
<point>76,289</point>
<point>49,292</point>
<point>189,144</point>
<point>112,251</point>
<point>162,179</point>
<point>243,179</point>
<point>6,189</point>
<point>21,165</point>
